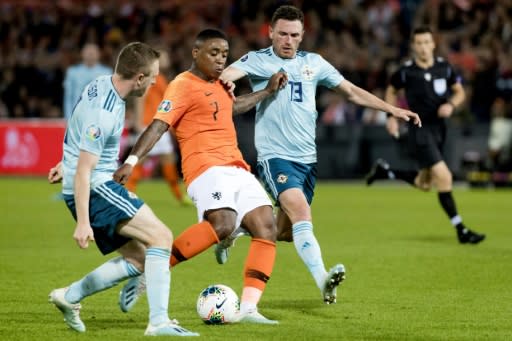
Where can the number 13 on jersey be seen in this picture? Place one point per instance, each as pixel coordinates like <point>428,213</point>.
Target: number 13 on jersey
<point>296,91</point>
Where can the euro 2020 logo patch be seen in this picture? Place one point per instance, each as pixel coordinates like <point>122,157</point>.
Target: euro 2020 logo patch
<point>165,106</point>
<point>93,132</point>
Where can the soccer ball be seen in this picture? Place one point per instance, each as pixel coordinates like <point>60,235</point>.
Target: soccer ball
<point>218,304</point>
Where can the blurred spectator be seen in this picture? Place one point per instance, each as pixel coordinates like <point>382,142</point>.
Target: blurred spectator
<point>78,76</point>
<point>38,39</point>
<point>339,111</point>
<point>500,135</point>
<point>500,138</point>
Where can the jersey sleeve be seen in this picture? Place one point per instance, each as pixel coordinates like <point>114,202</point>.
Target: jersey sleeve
<point>175,102</point>
<point>96,127</point>
<point>252,65</point>
<point>328,76</point>
<point>397,79</point>
<point>453,76</point>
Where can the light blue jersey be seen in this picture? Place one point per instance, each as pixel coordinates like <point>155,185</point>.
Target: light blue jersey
<point>286,122</point>
<point>77,77</point>
<point>95,126</point>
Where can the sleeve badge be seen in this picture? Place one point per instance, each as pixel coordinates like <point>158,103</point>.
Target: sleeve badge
<point>165,106</point>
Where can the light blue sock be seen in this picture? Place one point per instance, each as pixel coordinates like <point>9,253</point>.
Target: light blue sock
<point>158,284</point>
<point>309,251</point>
<point>103,277</point>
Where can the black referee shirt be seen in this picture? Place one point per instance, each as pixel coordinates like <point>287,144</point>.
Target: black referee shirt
<point>426,89</point>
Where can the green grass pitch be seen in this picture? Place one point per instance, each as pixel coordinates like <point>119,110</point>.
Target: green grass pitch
<point>407,276</point>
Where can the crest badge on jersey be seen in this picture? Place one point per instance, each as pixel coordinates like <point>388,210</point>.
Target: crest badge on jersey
<point>440,86</point>
<point>244,58</point>
<point>428,77</point>
<point>165,106</point>
<point>282,178</point>
<point>307,73</point>
<point>93,132</point>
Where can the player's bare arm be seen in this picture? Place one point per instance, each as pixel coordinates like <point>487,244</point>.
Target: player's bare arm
<point>231,74</point>
<point>246,102</point>
<point>364,98</point>
<point>392,125</point>
<point>458,97</point>
<point>83,230</point>
<point>55,173</point>
<point>143,145</point>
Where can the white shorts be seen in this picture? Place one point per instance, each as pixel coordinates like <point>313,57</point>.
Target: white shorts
<point>230,187</point>
<point>163,146</point>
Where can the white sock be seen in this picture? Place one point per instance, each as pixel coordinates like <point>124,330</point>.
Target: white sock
<point>456,220</point>
<point>249,300</point>
<point>309,251</point>
<point>103,277</point>
<point>158,284</point>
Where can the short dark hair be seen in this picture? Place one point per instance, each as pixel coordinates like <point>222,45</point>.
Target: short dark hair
<point>421,30</point>
<point>135,58</point>
<point>208,34</point>
<point>287,12</point>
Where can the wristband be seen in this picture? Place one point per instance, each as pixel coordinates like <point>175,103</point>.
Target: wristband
<point>132,160</point>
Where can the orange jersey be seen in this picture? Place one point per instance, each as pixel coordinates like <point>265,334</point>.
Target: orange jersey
<point>153,98</point>
<point>201,114</point>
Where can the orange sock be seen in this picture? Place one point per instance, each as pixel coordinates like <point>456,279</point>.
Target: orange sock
<point>134,178</point>
<point>170,173</point>
<point>193,241</point>
<point>259,263</point>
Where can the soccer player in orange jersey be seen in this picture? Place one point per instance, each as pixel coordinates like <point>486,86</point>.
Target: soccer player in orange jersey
<point>227,195</point>
<point>164,148</point>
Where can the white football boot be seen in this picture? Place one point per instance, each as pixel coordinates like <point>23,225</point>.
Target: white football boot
<point>131,292</point>
<point>334,277</point>
<point>71,311</point>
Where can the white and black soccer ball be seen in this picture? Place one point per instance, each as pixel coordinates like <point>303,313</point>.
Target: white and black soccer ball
<point>218,304</point>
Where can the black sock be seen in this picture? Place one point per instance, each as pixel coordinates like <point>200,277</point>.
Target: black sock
<point>448,204</point>
<point>405,175</point>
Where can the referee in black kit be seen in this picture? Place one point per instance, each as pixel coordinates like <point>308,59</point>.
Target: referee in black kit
<point>433,90</point>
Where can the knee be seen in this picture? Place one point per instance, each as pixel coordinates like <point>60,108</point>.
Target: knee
<point>223,228</point>
<point>161,237</point>
<point>299,212</point>
<point>444,182</point>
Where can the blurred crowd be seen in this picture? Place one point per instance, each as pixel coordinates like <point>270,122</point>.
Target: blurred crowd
<point>365,39</point>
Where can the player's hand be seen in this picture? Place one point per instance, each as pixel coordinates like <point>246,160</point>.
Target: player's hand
<point>122,174</point>
<point>406,115</point>
<point>83,234</point>
<point>392,127</point>
<point>230,88</point>
<point>445,110</point>
<point>55,174</point>
<point>278,81</point>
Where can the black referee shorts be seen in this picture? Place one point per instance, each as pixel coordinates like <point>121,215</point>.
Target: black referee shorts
<point>426,144</point>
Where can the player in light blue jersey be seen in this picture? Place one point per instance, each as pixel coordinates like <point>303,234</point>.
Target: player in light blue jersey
<point>104,210</point>
<point>285,135</point>
<point>79,75</point>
